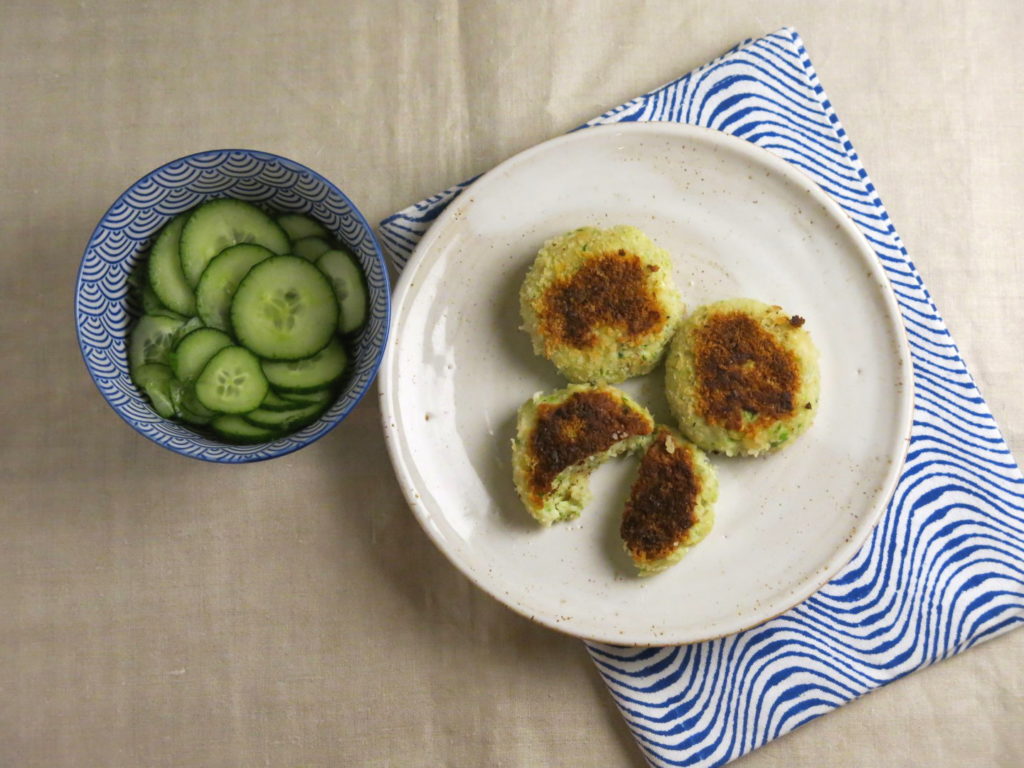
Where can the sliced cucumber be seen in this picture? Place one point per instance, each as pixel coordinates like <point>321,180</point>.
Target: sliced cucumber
<point>232,382</point>
<point>284,309</point>
<point>137,279</point>
<point>195,350</point>
<point>186,406</point>
<point>220,280</point>
<point>191,324</point>
<point>350,286</point>
<point>285,421</point>
<point>194,417</point>
<point>165,275</point>
<point>155,380</point>
<point>152,339</point>
<point>239,335</point>
<point>219,224</point>
<point>151,304</point>
<point>235,429</point>
<point>310,248</point>
<point>309,374</point>
<point>297,226</point>
<point>321,396</point>
<point>274,401</point>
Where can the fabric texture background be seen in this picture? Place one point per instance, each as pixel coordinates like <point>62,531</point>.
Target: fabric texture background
<point>158,611</point>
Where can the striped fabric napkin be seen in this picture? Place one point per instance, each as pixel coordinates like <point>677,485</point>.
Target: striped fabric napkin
<point>944,569</point>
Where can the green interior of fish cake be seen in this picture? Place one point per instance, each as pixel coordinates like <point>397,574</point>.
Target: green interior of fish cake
<point>704,512</point>
<point>569,490</point>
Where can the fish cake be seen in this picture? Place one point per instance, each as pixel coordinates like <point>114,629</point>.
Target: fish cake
<point>742,377</point>
<point>671,503</point>
<point>601,304</point>
<point>562,436</point>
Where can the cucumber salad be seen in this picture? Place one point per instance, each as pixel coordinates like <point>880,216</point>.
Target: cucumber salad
<point>247,321</point>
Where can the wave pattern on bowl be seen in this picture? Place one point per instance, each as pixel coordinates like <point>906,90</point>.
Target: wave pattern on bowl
<point>104,310</point>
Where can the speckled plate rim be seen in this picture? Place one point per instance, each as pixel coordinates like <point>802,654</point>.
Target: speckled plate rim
<point>486,580</point>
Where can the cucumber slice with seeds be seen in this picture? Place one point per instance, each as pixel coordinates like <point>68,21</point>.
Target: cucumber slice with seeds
<point>232,382</point>
<point>152,340</point>
<point>310,248</point>
<point>220,280</point>
<point>284,309</point>
<point>309,374</point>
<point>350,286</point>
<point>165,275</point>
<point>195,350</point>
<point>297,226</point>
<point>219,224</point>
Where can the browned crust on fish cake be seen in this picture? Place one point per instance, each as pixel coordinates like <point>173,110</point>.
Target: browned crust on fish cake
<point>610,289</point>
<point>566,433</point>
<point>662,504</point>
<point>741,367</point>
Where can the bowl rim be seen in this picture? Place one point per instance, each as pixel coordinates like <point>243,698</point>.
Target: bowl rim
<point>360,391</point>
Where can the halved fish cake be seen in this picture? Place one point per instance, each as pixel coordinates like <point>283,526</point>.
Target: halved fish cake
<point>601,304</point>
<point>742,377</point>
<point>562,436</point>
<point>671,504</point>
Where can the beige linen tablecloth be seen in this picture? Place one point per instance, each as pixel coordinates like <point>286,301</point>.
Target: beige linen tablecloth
<point>159,611</point>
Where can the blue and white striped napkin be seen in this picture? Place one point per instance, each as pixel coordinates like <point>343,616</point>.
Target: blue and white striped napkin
<point>944,569</point>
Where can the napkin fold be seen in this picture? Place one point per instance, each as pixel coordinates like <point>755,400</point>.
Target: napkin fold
<point>944,568</point>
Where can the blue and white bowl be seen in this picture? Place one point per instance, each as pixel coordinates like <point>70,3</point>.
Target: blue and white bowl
<point>105,309</point>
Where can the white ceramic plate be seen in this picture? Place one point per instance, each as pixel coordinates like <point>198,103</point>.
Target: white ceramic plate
<point>738,222</point>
